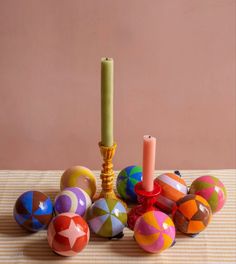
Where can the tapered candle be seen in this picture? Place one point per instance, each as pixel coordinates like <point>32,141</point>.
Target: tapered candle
<point>107,102</point>
<point>149,154</point>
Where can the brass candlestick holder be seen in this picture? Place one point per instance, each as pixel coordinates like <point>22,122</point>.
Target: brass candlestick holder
<point>107,173</point>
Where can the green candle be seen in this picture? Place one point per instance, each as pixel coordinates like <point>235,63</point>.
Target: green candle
<point>107,101</point>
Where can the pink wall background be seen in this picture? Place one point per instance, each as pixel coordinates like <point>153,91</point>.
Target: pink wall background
<point>174,79</point>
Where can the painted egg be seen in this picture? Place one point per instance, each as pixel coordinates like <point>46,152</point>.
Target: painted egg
<point>211,189</point>
<point>126,181</point>
<point>68,234</point>
<point>72,200</point>
<point>79,176</point>
<point>107,217</point>
<point>173,188</point>
<point>154,231</point>
<point>33,210</point>
<point>192,214</point>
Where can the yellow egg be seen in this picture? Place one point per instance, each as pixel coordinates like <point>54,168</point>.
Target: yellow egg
<point>79,176</point>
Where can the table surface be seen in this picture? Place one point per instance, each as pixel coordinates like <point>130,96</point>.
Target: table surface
<point>216,244</point>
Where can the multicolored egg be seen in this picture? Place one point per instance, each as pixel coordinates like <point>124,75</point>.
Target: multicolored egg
<point>173,188</point>
<point>107,217</point>
<point>211,189</point>
<point>126,181</point>
<point>68,234</point>
<point>72,200</point>
<point>79,176</point>
<point>154,231</point>
<point>33,211</point>
<point>192,214</point>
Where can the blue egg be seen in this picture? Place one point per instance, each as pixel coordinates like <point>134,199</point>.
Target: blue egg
<point>126,181</point>
<point>33,211</point>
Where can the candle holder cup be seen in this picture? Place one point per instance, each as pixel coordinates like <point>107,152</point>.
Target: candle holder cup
<point>146,202</point>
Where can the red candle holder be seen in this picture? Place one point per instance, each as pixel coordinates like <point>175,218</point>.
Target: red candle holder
<point>146,202</point>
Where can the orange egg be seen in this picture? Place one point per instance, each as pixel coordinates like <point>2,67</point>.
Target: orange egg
<point>173,188</point>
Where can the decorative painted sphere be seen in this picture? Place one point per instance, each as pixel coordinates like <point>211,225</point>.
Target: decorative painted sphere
<point>126,181</point>
<point>154,231</point>
<point>211,189</point>
<point>173,188</point>
<point>72,200</point>
<point>79,176</point>
<point>192,214</point>
<point>33,210</point>
<point>68,234</point>
<point>107,217</point>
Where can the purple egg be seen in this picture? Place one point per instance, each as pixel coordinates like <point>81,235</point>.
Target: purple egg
<point>72,200</point>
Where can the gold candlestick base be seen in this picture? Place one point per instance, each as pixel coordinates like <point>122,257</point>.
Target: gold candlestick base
<point>107,173</point>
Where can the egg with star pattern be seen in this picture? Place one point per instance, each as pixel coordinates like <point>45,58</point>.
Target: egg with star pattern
<point>68,234</point>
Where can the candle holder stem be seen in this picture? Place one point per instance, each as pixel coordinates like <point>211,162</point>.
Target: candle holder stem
<point>107,173</point>
<point>146,202</point>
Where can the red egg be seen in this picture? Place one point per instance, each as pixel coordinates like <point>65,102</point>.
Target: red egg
<point>68,234</point>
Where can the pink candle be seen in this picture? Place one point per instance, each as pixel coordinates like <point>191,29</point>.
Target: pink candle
<point>149,153</point>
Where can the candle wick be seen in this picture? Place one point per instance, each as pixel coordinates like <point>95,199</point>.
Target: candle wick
<point>107,58</point>
<point>149,136</point>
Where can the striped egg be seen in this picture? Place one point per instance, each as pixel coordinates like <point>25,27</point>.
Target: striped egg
<point>212,189</point>
<point>107,217</point>
<point>173,188</point>
<point>154,231</point>
<point>72,200</point>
